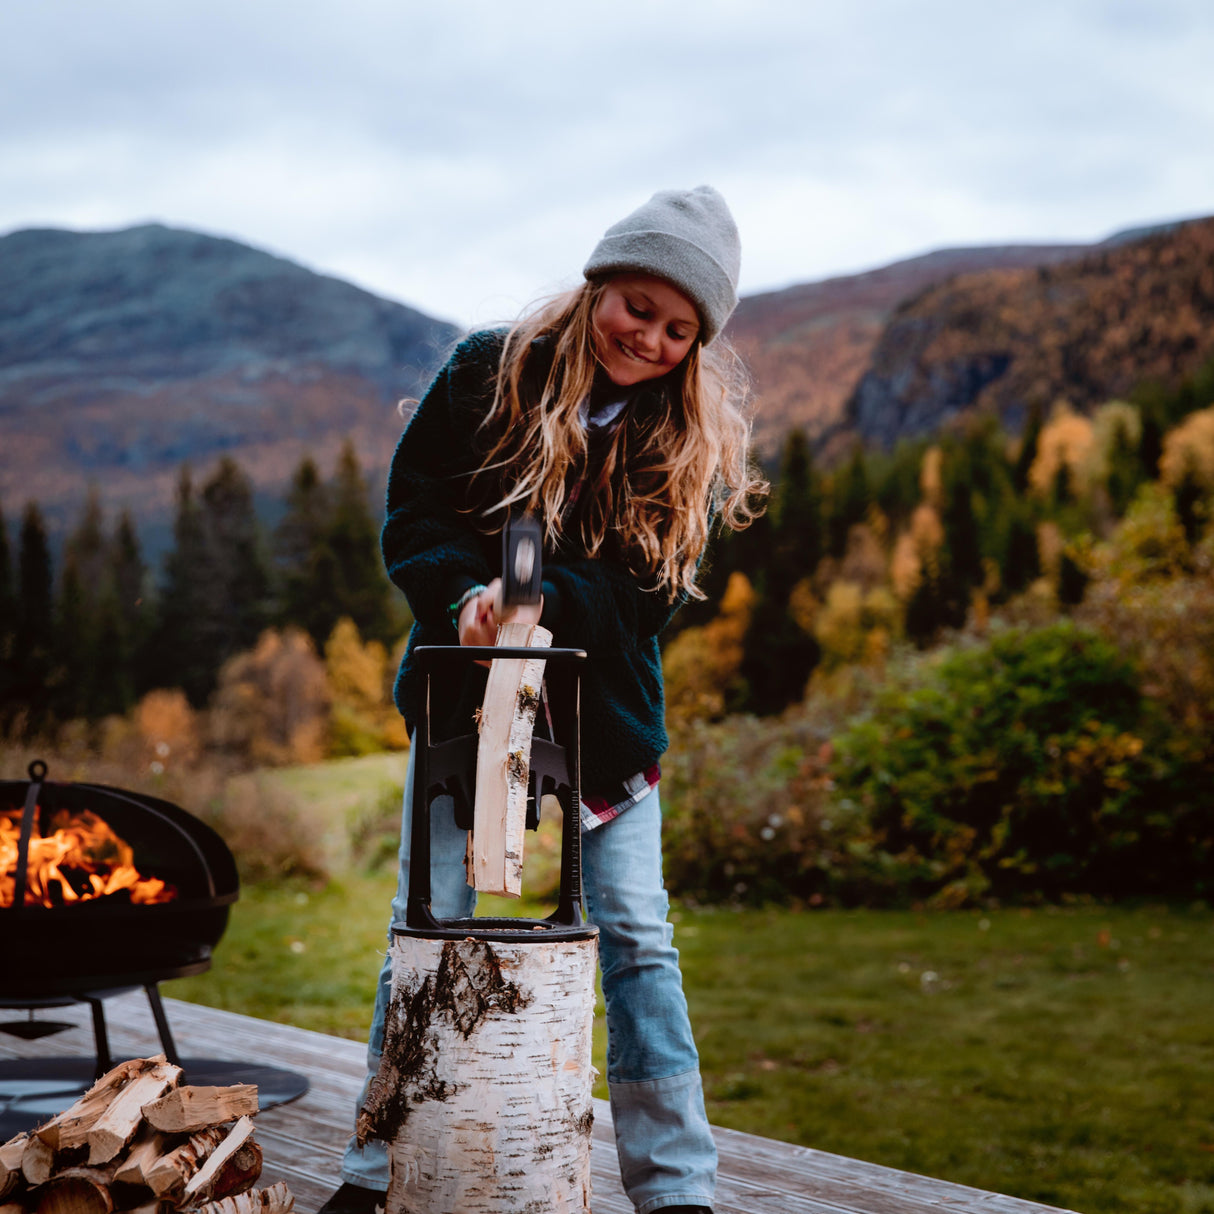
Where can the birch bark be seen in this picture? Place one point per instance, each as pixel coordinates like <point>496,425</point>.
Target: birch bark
<point>484,1089</point>
<point>503,762</point>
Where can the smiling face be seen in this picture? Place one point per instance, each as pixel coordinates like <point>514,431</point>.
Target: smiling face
<point>643,328</point>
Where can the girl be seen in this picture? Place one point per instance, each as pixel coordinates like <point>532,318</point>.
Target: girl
<point>610,416</point>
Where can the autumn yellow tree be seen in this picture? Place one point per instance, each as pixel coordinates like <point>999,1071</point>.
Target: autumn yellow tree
<point>363,717</point>
<point>272,703</point>
<point>701,665</point>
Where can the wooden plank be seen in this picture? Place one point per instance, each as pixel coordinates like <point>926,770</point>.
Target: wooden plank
<point>302,1141</point>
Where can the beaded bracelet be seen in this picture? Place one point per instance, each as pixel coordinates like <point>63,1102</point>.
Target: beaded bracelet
<point>456,608</point>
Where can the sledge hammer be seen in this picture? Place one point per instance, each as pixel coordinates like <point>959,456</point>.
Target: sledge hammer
<point>522,562</point>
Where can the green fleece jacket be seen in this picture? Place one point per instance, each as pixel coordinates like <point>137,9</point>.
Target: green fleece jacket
<point>434,553</point>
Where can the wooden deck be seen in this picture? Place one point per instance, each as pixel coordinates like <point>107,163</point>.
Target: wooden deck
<point>302,1141</point>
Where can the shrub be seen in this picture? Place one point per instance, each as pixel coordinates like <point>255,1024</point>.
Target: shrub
<point>272,834</point>
<point>271,704</point>
<point>745,815</point>
<point>1026,766</point>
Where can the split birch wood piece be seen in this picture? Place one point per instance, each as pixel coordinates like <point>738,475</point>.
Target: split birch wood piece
<point>117,1125</point>
<point>147,1147</point>
<point>503,761</point>
<point>70,1128</point>
<point>168,1174</point>
<point>240,1173</point>
<point>37,1161</point>
<point>202,1183</point>
<point>11,1207</point>
<point>76,1191</point>
<point>483,1093</point>
<point>186,1110</point>
<point>277,1199</point>
<point>10,1164</point>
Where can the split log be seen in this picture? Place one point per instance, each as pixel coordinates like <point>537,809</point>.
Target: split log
<point>147,1147</point>
<point>11,1207</point>
<point>503,761</point>
<point>70,1128</point>
<point>76,1191</point>
<point>117,1125</point>
<point>277,1199</point>
<point>203,1183</point>
<point>37,1161</point>
<point>186,1110</point>
<point>169,1174</point>
<point>484,1090</point>
<point>10,1164</point>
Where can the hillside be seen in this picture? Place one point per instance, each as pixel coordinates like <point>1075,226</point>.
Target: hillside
<point>808,346</point>
<point>124,354</point>
<point>1087,331</point>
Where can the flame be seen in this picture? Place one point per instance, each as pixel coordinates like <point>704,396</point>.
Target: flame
<point>81,860</point>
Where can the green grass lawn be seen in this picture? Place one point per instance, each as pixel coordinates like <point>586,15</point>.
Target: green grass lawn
<point>1064,1055</point>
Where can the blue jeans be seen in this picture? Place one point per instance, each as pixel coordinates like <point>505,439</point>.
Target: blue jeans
<point>666,1152</point>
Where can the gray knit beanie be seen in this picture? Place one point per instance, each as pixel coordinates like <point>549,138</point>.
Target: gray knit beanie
<point>688,238</point>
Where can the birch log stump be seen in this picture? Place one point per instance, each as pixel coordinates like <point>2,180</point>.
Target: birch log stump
<point>503,762</point>
<point>484,1089</point>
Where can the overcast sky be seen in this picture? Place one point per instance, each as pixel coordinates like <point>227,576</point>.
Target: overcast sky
<point>463,157</point>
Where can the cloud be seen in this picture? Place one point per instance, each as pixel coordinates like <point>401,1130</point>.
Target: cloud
<point>464,157</point>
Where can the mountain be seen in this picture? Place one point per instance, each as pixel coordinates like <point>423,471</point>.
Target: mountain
<point>1139,307</point>
<point>808,346</point>
<point>124,354</point>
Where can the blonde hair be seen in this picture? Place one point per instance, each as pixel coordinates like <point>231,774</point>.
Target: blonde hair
<point>667,468</point>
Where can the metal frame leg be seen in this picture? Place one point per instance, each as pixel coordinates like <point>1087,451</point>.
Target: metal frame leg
<point>101,1039</point>
<point>162,1022</point>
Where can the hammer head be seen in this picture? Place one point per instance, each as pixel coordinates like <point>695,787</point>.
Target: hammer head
<point>522,561</point>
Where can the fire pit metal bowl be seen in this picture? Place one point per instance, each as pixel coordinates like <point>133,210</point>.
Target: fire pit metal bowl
<point>111,940</point>
<point>126,890</point>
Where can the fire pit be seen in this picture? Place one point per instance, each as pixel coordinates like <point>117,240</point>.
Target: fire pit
<point>103,890</point>
<point>104,887</point>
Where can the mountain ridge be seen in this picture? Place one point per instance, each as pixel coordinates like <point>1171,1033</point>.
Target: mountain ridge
<point>125,353</point>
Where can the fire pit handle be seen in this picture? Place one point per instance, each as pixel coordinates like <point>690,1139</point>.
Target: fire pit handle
<point>37,771</point>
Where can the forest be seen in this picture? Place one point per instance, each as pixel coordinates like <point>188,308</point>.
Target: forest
<point>977,667</point>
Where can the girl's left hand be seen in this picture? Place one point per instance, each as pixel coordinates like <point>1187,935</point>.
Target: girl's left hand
<point>479,620</point>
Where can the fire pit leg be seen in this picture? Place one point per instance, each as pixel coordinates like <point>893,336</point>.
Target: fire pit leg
<point>101,1038</point>
<point>162,1022</point>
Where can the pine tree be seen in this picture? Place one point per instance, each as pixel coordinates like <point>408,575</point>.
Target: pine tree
<point>132,609</point>
<point>961,536</point>
<point>1021,563</point>
<point>361,590</point>
<point>1125,472</point>
<point>1029,442</point>
<point>8,620</point>
<point>34,631</point>
<point>778,657</point>
<point>241,602</point>
<point>178,655</point>
<point>79,687</point>
<point>849,501</point>
<point>797,516</point>
<point>307,566</point>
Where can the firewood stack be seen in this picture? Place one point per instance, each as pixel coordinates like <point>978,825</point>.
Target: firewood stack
<point>138,1141</point>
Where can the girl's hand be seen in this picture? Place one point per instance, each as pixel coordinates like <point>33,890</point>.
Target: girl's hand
<point>479,620</point>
